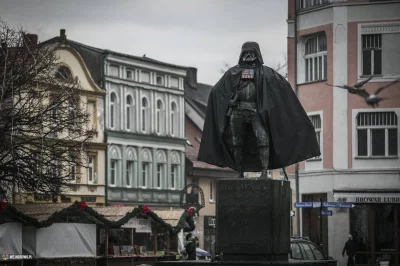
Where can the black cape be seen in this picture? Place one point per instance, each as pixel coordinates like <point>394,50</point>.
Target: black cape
<point>292,135</point>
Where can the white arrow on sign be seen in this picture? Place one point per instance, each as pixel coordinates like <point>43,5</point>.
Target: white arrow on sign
<point>292,213</point>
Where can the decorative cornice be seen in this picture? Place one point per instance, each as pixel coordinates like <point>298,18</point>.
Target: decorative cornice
<point>389,27</point>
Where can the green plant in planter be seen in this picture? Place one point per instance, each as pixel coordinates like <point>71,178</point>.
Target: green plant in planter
<point>384,257</point>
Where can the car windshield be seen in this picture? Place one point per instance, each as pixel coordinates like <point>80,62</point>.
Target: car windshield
<point>296,253</point>
<point>318,254</point>
<point>308,251</point>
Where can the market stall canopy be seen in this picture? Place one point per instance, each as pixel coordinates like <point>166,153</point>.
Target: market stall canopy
<point>44,215</point>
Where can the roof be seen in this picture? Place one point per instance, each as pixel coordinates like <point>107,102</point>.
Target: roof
<point>116,213</point>
<point>44,215</point>
<point>93,57</point>
<point>197,97</point>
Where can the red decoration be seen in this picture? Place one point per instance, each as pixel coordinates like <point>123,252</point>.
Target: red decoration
<point>3,204</point>
<point>82,205</point>
<point>145,209</point>
<point>190,211</point>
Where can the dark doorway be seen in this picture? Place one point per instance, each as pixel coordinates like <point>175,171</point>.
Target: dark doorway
<point>311,221</point>
<point>375,228</point>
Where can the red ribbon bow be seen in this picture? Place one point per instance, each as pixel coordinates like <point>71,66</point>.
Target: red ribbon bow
<point>3,204</point>
<point>145,209</point>
<point>190,211</point>
<point>82,205</point>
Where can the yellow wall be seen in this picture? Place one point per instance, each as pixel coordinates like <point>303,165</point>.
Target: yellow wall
<point>94,97</point>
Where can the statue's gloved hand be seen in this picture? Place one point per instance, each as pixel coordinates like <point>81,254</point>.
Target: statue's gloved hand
<point>232,104</point>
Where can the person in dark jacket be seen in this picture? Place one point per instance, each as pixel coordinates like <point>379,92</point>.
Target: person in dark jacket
<point>191,247</point>
<point>350,248</point>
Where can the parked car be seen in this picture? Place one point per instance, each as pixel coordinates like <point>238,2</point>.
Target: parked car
<point>302,249</point>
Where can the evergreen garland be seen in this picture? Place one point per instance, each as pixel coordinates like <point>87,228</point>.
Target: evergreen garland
<point>185,222</point>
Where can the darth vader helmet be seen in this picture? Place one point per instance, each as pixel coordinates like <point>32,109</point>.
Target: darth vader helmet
<point>250,54</point>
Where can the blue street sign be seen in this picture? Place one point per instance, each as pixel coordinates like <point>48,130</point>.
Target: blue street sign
<point>316,204</point>
<point>303,205</point>
<point>337,205</point>
<point>326,213</point>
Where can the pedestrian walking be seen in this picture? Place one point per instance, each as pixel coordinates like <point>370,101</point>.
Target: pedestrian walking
<point>350,249</point>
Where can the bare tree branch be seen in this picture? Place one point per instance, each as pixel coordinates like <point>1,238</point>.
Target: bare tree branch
<point>43,123</point>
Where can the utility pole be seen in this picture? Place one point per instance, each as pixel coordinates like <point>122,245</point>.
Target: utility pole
<point>296,173</point>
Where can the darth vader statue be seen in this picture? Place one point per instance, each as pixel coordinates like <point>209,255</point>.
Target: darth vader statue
<point>254,120</point>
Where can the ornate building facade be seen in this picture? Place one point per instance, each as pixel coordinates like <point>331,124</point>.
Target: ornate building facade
<point>145,130</point>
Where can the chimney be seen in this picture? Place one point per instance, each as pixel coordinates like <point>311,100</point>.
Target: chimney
<point>191,77</point>
<point>31,39</point>
<point>63,37</point>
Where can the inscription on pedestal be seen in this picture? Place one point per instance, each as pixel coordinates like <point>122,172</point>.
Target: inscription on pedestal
<point>252,216</point>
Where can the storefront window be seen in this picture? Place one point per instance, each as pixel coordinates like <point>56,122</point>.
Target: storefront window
<point>384,230</point>
<point>359,227</point>
<point>375,228</point>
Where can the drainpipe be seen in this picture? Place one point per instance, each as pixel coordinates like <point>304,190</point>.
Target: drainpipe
<point>103,84</point>
<point>296,172</point>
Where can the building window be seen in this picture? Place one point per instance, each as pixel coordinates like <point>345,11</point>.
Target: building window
<point>174,82</point>
<point>377,134</point>
<point>64,74</point>
<point>54,168</point>
<point>160,80</point>
<point>316,121</point>
<point>129,173</point>
<point>372,54</point>
<point>160,171</point>
<point>303,4</point>
<point>90,169</point>
<point>145,77</point>
<point>158,116</point>
<point>145,174</point>
<point>145,107</point>
<point>174,119</point>
<point>129,109</point>
<point>113,102</point>
<point>72,114</point>
<point>114,70</point>
<point>113,172</point>
<point>211,190</point>
<point>72,169</point>
<point>130,74</point>
<point>174,174</point>
<point>315,58</point>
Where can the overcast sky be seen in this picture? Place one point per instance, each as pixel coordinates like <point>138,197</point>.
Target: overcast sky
<point>198,33</point>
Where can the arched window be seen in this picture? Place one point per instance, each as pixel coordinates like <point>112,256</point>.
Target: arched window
<point>158,116</point>
<point>64,74</point>
<point>113,103</point>
<point>175,171</point>
<point>145,116</point>
<point>131,167</point>
<point>115,166</point>
<point>161,169</point>
<point>129,110</point>
<point>174,119</point>
<point>146,168</point>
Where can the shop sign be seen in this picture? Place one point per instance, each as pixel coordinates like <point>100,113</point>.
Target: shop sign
<point>209,222</point>
<point>369,199</point>
<point>141,225</point>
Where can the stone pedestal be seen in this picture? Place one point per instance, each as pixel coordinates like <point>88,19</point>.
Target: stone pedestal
<point>253,220</point>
